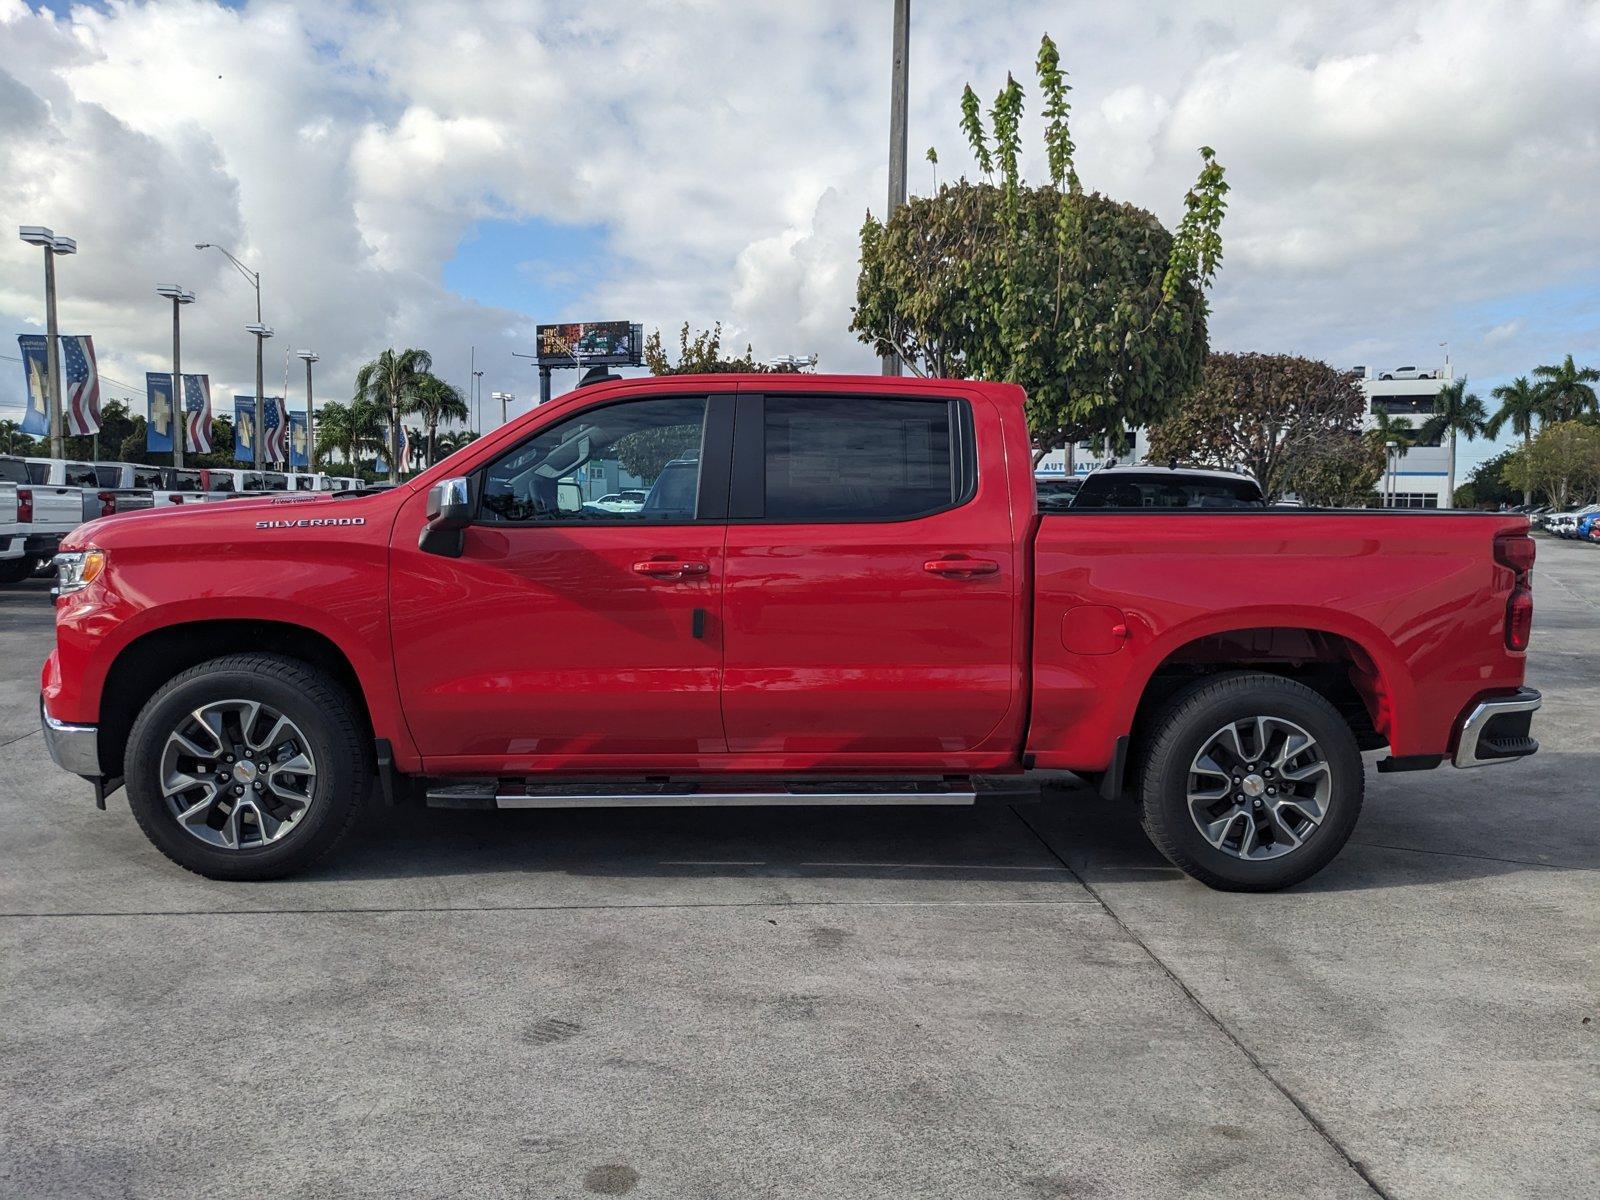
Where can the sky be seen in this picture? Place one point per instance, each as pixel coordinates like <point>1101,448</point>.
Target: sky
<point>446,175</point>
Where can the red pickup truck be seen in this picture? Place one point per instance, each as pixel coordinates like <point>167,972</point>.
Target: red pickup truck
<point>834,590</point>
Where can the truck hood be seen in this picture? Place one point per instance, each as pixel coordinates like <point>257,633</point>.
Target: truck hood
<point>183,522</point>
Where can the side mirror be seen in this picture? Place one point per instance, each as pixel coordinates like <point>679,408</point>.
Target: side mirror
<point>449,513</point>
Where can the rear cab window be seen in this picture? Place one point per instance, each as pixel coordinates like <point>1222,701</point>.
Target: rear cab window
<point>855,458</point>
<point>14,471</point>
<point>1166,490</point>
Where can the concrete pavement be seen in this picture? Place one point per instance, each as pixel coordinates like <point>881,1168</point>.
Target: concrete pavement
<point>854,1003</point>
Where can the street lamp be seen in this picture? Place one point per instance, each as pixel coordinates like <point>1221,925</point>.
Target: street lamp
<point>53,244</point>
<point>1390,462</point>
<point>179,425</point>
<point>311,410</point>
<point>477,395</point>
<point>505,398</point>
<point>260,330</point>
<point>261,333</point>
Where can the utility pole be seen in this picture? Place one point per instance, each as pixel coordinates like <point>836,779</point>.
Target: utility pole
<point>472,374</point>
<point>311,412</point>
<point>899,89</point>
<point>180,422</point>
<point>53,244</point>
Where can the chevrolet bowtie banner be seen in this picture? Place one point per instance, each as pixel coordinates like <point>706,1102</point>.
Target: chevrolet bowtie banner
<point>299,442</point>
<point>159,416</point>
<point>244,429</point>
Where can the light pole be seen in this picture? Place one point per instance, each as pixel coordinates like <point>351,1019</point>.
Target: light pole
<point>899,88</point>
<point>505,399</point>
<point>179,425</point>
<point>260,330</point>
<point>53,244</point>
<point>311,410</point>
<point>262,333</point>
<point>1390,461</point>
<point>477,395</point>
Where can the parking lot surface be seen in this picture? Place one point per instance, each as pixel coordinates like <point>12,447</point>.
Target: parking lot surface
<point>933,1002</point>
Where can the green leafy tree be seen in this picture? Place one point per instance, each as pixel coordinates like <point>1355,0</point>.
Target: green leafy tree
<point>1091,305</point>
<point>1455,411</point>
<point>1567,391</point>
<point>11,436</point>
<point>1488,486</point>
<point>393,381</point>
<point>1267,413</point>
<point>1562,462</point>
<point>1341,472</point>
<point>702,354</point>
<point>1521,404</point>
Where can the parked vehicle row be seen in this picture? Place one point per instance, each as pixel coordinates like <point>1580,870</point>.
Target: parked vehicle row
<point>50,497</point>
<point>1582,524</point>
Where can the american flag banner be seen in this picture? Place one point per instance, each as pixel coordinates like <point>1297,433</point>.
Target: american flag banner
<point>197,410</point>
<point>80,402</point>
<point>275,430</point>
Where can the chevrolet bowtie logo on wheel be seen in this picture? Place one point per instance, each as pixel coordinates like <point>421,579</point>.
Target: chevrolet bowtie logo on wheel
<point>305,522</point>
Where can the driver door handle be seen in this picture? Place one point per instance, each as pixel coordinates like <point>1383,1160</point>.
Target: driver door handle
<point>960,568</point>
<point>670,568</point>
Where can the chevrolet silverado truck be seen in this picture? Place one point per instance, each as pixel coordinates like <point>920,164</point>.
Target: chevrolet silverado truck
<point>839,591</point>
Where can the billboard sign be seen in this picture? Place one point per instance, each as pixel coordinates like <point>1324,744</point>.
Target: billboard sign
<point>590,344</point>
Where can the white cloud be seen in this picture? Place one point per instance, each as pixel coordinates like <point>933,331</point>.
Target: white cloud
<point>1393,164</point>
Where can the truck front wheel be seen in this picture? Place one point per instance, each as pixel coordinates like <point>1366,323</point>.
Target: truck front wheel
<point>1250,782</point>
<point>247,767</point>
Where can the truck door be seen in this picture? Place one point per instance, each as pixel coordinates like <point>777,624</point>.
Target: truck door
<point>871,597</point>
<point>568,631</point>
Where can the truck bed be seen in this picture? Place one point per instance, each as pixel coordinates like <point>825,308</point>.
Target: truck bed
<point>1406,608</point>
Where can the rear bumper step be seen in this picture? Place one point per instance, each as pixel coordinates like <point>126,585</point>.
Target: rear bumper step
<point>1498,730</point>
<point>724,793</point>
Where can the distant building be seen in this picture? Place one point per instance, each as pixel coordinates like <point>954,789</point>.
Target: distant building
<point>1417,479</point>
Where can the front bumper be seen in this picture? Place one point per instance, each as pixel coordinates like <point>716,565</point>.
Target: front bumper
<point>1498,730</point>
<point>74,748</point>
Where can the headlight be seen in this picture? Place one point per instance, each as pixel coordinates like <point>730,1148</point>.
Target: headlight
<point>77,569</point>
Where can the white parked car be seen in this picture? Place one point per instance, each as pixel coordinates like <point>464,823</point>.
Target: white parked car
<point>629,500</point>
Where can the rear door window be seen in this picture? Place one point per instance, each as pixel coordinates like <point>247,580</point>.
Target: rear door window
<point>221,481</point>
<point>147,477</point>
<point>852,458</point>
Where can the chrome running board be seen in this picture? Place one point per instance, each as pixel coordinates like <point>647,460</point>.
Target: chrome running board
<point>722,793</point>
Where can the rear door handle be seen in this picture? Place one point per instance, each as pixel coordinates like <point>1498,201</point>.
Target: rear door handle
<point>670,568</point>
<point>961,568</point>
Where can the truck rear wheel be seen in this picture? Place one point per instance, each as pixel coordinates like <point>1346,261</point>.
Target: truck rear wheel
<point>1251,782</point>
<point>247,767</point>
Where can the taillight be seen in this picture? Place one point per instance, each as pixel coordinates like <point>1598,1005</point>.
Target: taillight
<point>1516,550</point>
<point>25,506</point>
<point>1519,618</point>
<point>108,504</point>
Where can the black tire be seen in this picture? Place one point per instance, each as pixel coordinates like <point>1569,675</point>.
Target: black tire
<point>1186,724</point>
<point>15,570</point>
<point>321,709</point>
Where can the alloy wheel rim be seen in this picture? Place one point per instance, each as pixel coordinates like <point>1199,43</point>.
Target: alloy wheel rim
<point>238,774</point>
<point>1258,788</point>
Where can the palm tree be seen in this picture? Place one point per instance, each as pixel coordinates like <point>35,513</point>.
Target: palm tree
<point>1455,411</point>
<point>1567,394</point>
<point>1521,403</point>
<point>437,402</point>
<point>354,430</point>
<point>452,440</point>
<point>9,431</point>
<point>1389,430</point>
<point>393,381</point>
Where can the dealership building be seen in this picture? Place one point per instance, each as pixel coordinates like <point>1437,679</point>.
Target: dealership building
<point>1416,478</point>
